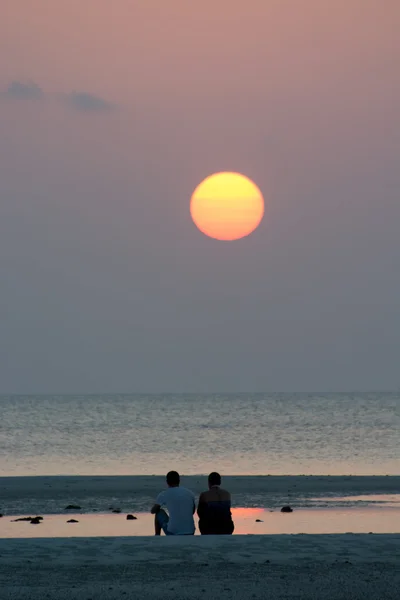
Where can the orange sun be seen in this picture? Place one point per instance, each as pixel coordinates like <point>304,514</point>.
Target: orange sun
<point>227,206</point>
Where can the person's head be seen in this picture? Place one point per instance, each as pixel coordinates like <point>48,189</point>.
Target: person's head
<point>214,478</point>
<point>173,479</point>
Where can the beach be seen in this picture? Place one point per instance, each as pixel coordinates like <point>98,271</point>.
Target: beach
<point>341,542</point>
<point>331,567</point>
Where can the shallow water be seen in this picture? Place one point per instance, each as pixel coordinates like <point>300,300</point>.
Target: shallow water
<point>51,495</point>
<point>309,521</point>
<point>233,433</point>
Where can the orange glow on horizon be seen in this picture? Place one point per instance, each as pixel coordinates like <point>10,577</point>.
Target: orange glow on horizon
<point>227,206</point>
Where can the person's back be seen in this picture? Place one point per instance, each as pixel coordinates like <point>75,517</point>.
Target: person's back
<point>214,509</point>
<point>180,503</point>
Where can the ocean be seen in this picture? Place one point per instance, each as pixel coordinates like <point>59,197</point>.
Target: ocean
<point>235,434</point>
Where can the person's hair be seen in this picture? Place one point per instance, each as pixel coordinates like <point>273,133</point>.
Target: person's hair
<point>173,478</point>
<point>214,478</point>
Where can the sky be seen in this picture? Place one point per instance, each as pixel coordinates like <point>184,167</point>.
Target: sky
<point>111,113</point>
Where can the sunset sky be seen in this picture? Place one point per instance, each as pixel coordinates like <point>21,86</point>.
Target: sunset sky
<point>111,113</point>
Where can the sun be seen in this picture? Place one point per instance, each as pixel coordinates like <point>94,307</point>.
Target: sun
<point>227,206</point>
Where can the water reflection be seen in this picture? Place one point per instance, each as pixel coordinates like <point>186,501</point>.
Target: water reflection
<point>247,521</point>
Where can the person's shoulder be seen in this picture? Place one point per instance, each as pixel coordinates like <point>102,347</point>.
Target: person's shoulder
<point>186,491</point>
<point>225,494</point>
<point>161,496</point>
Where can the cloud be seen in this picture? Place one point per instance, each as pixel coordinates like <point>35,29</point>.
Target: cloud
<point>86,102</point>
<point>80,101</point>
<point>19,90</point>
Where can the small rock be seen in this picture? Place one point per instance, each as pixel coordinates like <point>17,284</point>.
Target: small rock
<point>116,510</point>
<point>131,518</point>
<point>72,507</point>
<point>286,509</point>
<point>22,519</point>
<point>72,521</point>
<point>259,521</point>
<point>0,515</point>
<point>35,521</point>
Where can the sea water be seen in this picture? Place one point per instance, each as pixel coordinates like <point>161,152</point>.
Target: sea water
<point>247,434</point>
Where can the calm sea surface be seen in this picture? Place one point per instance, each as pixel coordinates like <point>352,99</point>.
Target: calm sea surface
<point>234,433</point>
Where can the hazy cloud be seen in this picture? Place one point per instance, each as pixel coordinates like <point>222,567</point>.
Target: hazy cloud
<point>82,101</point>
<point>24,91</point>
<point>86,102</point>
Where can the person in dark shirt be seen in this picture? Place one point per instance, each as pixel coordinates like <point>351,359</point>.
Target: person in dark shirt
<point>214,509</point>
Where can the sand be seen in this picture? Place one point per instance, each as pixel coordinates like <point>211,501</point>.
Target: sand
<point>331,567</point>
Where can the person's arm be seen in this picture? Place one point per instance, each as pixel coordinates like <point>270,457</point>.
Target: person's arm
<point>158,503</point>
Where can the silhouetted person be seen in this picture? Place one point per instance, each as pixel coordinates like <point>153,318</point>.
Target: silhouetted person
<point>181,505</point>
<point>214,509</point>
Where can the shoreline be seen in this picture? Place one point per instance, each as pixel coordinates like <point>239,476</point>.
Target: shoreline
<point>51,494</point>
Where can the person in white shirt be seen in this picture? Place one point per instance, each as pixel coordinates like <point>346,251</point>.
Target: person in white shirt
<point>181,505</point>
